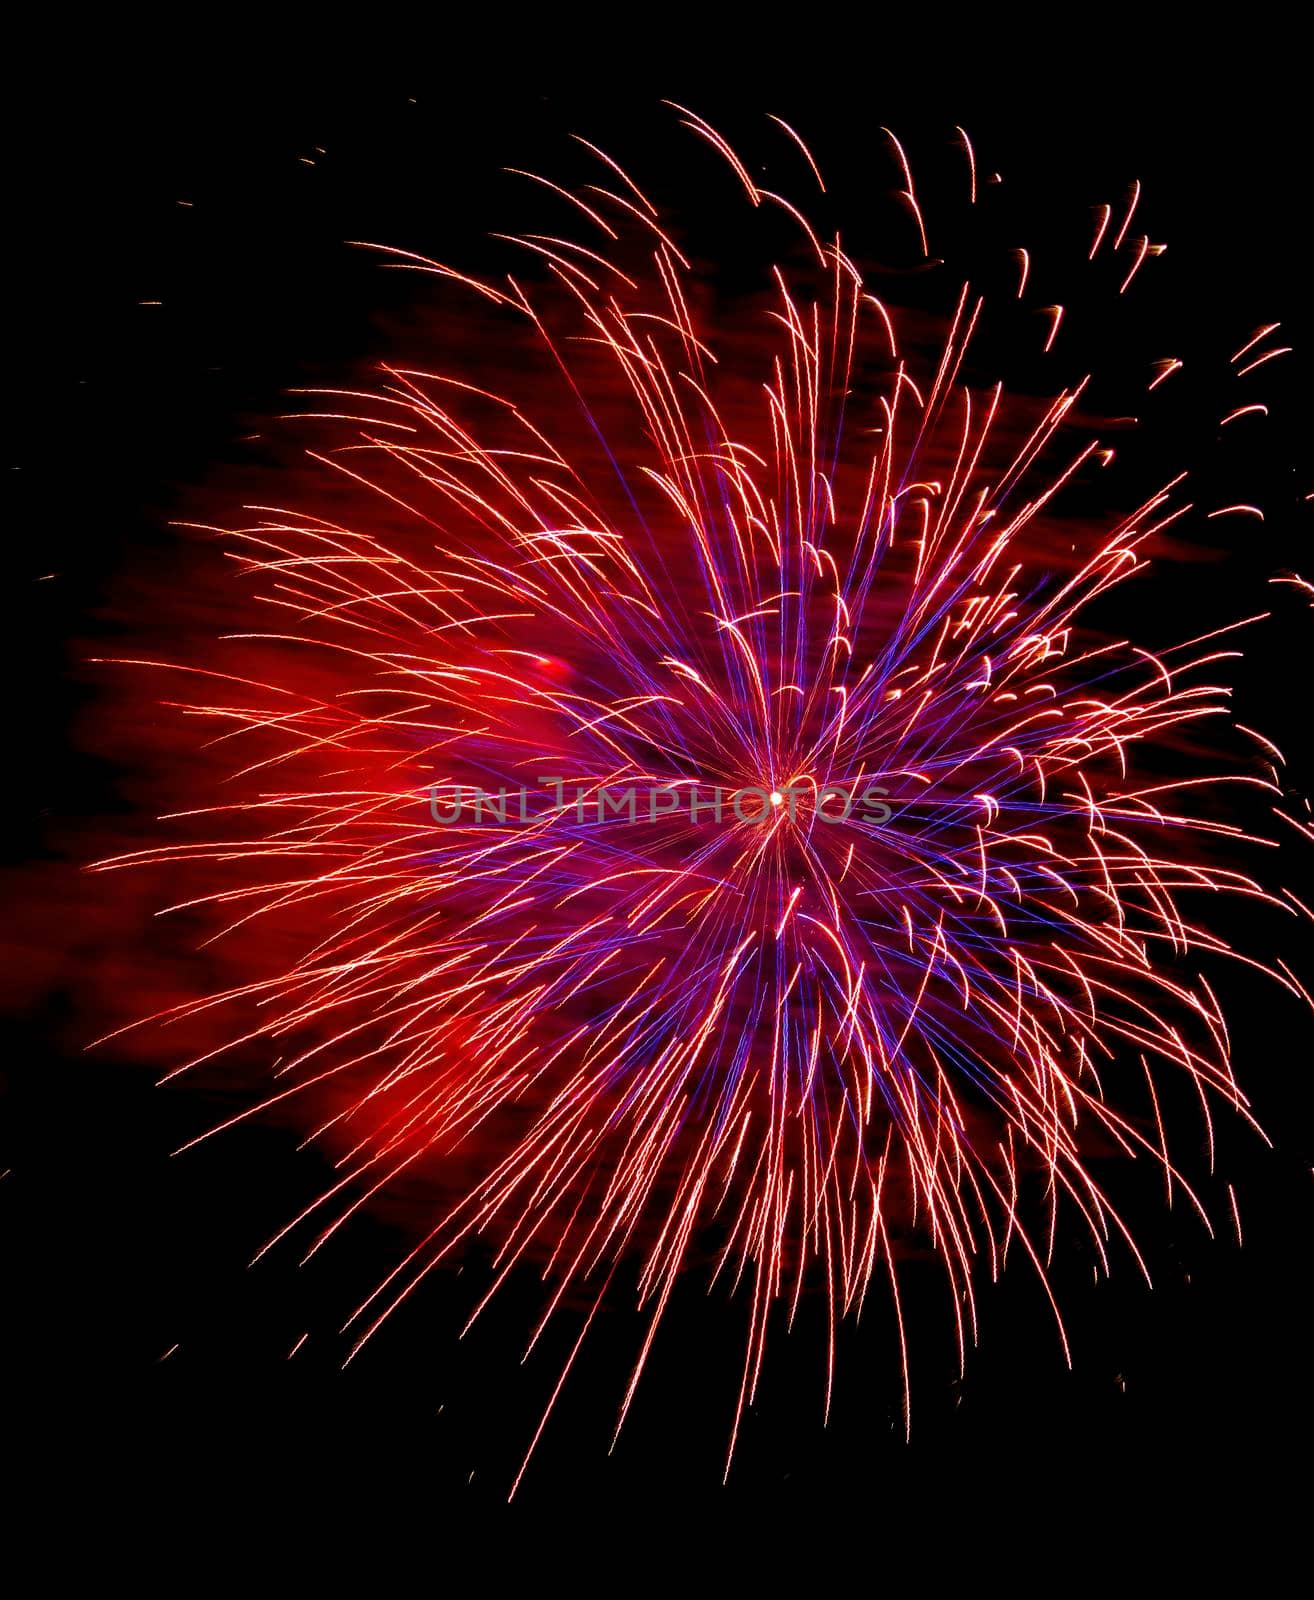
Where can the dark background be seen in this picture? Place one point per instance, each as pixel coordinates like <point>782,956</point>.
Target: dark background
<point>1188,1413</point>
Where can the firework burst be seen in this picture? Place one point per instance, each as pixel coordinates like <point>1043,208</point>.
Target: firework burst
<point>826,877</point>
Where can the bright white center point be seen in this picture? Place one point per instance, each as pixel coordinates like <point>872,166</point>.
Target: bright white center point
<point>777,799</point>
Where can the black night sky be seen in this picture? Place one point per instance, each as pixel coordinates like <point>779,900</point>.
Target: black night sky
<point>227,194</point>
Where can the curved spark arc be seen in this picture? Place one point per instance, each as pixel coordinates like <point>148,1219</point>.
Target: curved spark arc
<point>814,1032</point>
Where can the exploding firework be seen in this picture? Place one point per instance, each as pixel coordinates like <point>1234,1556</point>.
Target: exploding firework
<point>674,781</point>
